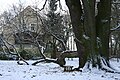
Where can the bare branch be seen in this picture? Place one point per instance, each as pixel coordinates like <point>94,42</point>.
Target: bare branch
<point>43,6</point>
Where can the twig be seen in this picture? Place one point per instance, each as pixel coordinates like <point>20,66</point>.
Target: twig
<point>43,5</point>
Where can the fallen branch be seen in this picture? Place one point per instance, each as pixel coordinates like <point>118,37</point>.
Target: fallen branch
<point>4,43</point>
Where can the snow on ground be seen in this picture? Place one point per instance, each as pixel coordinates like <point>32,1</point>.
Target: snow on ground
<point>10,70</point>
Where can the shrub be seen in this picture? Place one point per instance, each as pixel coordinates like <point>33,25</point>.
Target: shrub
<point>3,57</point>
<point>26,54</point>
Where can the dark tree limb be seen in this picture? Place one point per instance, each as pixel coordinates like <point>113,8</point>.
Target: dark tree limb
<point>20,58</point>
<point>43,5</point>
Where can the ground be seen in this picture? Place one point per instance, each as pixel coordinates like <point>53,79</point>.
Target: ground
<point>10,70</point>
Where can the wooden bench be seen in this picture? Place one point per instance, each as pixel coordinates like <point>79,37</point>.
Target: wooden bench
<point>68,68</point>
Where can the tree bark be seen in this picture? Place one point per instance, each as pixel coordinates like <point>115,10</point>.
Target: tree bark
<point>103,26</point>
<point>90,28</point>
<point>102,21</point>
<point>75,10</point>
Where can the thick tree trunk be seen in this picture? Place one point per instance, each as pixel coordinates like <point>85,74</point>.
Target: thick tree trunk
<point>103,26</point>
<point>102,30</point>
<point>90,29</point>
<point>75,10</point>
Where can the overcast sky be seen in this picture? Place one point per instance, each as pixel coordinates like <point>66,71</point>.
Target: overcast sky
<point>7,4</point>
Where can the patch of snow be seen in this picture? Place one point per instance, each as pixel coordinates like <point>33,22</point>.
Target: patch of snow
<point>10,70</point>
<point>116,28</point>
<point>86,37</point>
